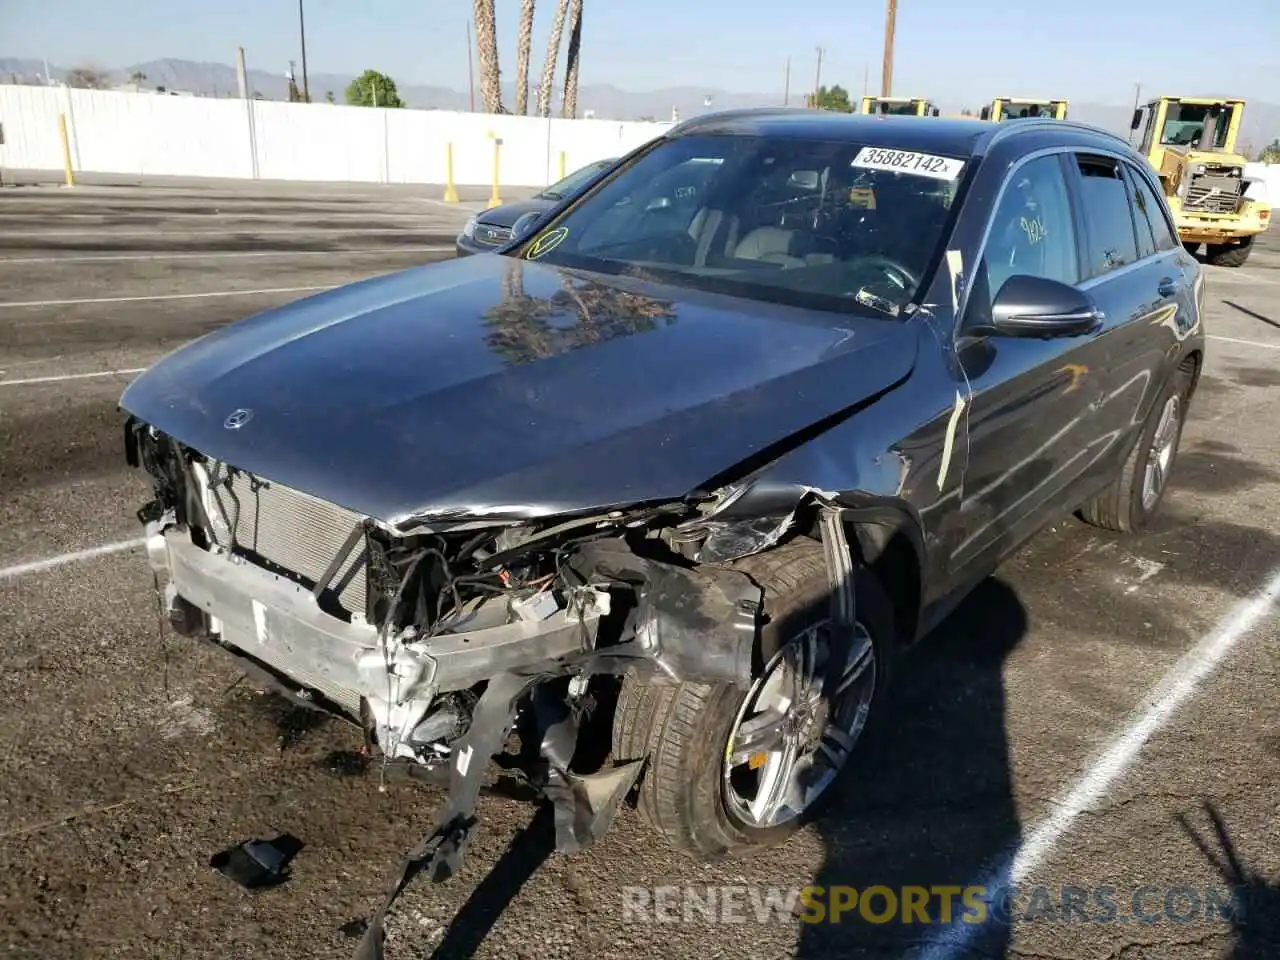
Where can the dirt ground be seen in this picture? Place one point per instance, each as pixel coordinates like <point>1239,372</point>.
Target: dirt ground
<point>128,758</point>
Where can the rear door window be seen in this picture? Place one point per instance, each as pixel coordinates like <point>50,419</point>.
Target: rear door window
<point>1150,209</point>
<point>1105,210</point>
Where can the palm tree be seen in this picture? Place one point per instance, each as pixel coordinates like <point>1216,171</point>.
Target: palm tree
<point>487,52</point>
<point>524,41</point>
<point>547,86</point>
<point>571,60</point>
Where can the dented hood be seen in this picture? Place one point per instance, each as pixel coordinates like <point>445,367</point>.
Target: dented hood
<point>493,387</point>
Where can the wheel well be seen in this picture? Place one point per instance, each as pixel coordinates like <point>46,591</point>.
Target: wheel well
<point>889,554</point>
<point>1191,364</point>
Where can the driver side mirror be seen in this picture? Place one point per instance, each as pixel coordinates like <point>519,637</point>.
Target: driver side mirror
<point>986,113</point>
<point>1137,119</point>
<point>1039,307</point>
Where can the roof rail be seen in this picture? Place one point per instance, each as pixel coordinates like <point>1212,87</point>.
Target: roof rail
<point>717,116</point>
<point>1009,128</point>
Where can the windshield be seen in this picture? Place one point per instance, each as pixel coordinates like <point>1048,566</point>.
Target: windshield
<point>575,181</point>
<point>808,222</point>
<point>894,109</point>
<point>1015,110</point>
<point>1184,125</point>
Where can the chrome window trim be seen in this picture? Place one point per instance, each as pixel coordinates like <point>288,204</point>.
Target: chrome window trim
<point>1022,161</point>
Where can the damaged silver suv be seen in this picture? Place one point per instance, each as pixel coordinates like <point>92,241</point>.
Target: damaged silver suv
<point>690,466</point>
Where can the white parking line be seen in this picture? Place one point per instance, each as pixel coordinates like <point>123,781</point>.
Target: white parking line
<point>114,257</point>
<point>1161,703</point>
<point>36,566</point>
<point>71,376</point>
<point>1223,275</point>
<point>1247,343</point>
<point>164,296</point>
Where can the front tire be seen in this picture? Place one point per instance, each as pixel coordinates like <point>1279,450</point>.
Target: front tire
<point>1229,254</point>
<point>1133,497</point>
<point>707,743</point>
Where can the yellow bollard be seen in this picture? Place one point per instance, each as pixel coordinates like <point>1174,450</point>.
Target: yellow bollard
<point>561,164</point>
<point>495,198</point>
<point>66,149</point>
<point>450,191</point>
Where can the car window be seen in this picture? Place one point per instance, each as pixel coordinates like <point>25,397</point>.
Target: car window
<point>1150,209</point>
<point>825,224</point>
<point>1105,211</point>
<point>1142,226</point>
<point>1032,232</point>
<point>575,181</point>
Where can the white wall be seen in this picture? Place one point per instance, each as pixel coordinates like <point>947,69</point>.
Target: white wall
<point>145,133</point>
<point>1268,176</point>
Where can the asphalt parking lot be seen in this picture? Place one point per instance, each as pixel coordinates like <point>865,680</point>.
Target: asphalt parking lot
<point>128,758</point>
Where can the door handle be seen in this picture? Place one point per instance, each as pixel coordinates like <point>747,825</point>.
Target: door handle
<point>1168,287</point>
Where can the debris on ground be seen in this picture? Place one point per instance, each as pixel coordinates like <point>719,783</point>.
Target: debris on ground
<point>256,864</point>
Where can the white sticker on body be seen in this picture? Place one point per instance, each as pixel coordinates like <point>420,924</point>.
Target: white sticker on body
<point>908,161</point>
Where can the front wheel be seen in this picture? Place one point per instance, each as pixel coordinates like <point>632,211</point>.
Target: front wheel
<point>730,773</point>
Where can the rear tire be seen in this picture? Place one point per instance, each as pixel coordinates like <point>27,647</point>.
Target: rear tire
<point>1229,254</point>
<point>1127,504</point>
<point>685,728</point>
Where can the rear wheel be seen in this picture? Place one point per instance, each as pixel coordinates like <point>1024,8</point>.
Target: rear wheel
<point>1229,254</point>
<point>1132,498</point>
<point>730,773</point>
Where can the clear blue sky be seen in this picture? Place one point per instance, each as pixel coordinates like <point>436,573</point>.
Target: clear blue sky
<point>950,50</point>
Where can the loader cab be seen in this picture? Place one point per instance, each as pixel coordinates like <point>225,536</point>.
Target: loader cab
<point>898,107</point>
<point>1186,125</point>
<point>1021,108</point>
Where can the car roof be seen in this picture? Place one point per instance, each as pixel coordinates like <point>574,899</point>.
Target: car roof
<point>957,137</point>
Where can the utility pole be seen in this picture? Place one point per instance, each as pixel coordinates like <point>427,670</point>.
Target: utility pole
<point>786,86</point>
<point>866,78</point>
<point>302,31</point>
<point>886,76</point>
<point>242,75</point>
<point>817,80</point>
<point>293,85</point>
<point>471,73</point>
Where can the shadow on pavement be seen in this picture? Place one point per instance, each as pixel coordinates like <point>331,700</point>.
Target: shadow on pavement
<point>1252,313</point>
<point>1255,914</point>
<point>528,851</point>
<point>930,803</point>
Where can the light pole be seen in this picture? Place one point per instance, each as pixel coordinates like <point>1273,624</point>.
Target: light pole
<point>302,31</point>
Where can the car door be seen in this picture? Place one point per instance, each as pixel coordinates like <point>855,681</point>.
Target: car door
<point>1136,273</point>
<point>1032,400</point>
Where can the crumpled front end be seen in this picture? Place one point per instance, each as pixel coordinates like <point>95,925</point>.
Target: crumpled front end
<point>399,631</point>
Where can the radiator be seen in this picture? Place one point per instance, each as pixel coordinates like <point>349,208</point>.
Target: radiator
<point>293,530</point>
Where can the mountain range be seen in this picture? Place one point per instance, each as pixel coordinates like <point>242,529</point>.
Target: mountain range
<point>1261,121</point>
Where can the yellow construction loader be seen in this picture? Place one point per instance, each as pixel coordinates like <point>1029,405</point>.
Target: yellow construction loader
<point>1191,142</point>
<point>898,107</point>
<point>1020,108</point>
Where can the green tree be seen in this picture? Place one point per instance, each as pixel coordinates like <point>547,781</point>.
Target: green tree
<point>1271,154</point>
<point>328,96</point>
<point>831,98</point>
<point>373,89</point>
